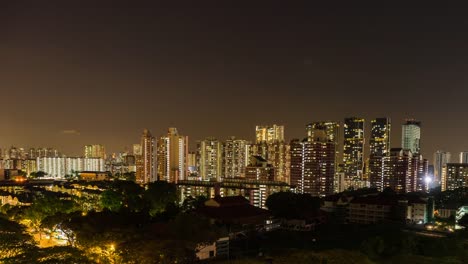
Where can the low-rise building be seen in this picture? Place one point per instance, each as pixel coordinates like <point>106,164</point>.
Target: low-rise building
<point>94,176</point>
<point>371,209</point>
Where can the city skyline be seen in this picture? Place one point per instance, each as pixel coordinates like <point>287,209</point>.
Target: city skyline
<point>71,148</point>
<point>101,75</point>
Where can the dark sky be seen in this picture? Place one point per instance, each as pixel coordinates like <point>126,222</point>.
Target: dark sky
<point>109,72</point>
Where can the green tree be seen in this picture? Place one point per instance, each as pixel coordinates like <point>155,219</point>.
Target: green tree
<point>38,174</point>
<point>47,204</point>
<point>158,195</point>
<point>191,203</point>
<point>111,200</point>
<point>14,240</point>
<point>60,222</point>
<point>50,255</point>
<point>129,176</point>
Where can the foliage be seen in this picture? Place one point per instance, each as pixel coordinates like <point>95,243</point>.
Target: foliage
<point>46,205</point>
<point>50,255</point>
<point>60,221</point>
<point>158,195</point>
<point>111,200</point>
<point>191,203</point>
<point>37,174</point>
<point>450,198</point>
<point>14,240</point>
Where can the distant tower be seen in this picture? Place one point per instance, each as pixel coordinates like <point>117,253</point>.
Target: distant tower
<point>379,147</point>
<point>146,165</point>
<point>411,136</point>
<point>210,157</point>
<point>269,134</point>
<point>172,156</point>
<point>353,149</point>
<point>95,151</point>
<point>313,165</point>
<point>236,157</point>
<point>441,158</point>
<point>398,172</point>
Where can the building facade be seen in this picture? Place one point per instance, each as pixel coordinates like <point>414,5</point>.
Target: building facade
<point>313,166</point>
<point>379,148</point>
<point>236,157</point>
<point>454,175</point>
<point>172,156</point>
<point>441,158</point>
<point>95,151</point>
<point>353,147</point>
<point>145,163</point>
<point>210,155</point>
<point>269,134</point>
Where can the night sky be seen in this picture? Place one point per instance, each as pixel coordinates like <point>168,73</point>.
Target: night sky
<point>88,73</point>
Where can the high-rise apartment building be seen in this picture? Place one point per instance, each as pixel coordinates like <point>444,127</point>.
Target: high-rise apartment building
<point>411,136</point>
<point>313,165</point>
<point>276,154</point>
<point>236,157</point>
<point>455,175</point>
<point>145,163</point>
<point>332,130</point>
<point>269,134</point>
<point>95,151</point>
<point>172,156</point>
<point>441,158</point>
<point>193,165</point>
<point>210,155</point>
<point>353,148</point>
<point>259,169</point>
<point>379,147</point>
<point>421,167</point>
<point>398,171</point>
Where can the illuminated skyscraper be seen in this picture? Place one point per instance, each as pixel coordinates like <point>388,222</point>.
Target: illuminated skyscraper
<point>95,151</point>
<point>210,153</point>
<point>332,130</point>
<point>411,136</point>
<point>380,136</point>
<point>313,165</point>
<point>172,156</point>
<point>441,158</point>
<point>145,164</point>
<point>277,155</point>
<point>379,147</point>
<point>269,134</point>
<point>236,157</point>
<point>353,149</point>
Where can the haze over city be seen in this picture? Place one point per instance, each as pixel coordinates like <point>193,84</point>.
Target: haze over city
<point>73,76</point>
